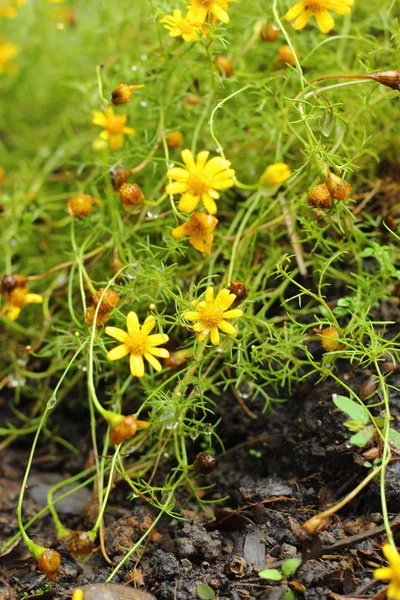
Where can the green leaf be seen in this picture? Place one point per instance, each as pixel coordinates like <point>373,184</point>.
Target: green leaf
<point>362,438</point>
<point>394,436</point>
<point>290,566</point>
<point>353,425</point>
<point>205,592</point>
<point>271,574</point>
<point>356,412</point>
<point>289,595</point>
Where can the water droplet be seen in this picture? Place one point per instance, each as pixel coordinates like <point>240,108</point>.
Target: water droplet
<point>134,68</point>
<point>219,149</point>
<point>21,362</point>
<point>84,369</point>
<point>153,212</point>
<point>13,243</point>
<point>52,402</point>
<point>61,280</point>
<point>143,56</point>
<point>143,103</point>
<point>15,381</point>
<point>220,350</point>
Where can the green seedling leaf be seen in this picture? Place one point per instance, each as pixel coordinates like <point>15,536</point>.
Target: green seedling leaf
<point>271,574</point>
<point>353,425</point>
<point>205,592</point>
<point>355,411</point>
<point>290,566</point>
<point>394,436</point>
<point>362,438</point>
<point>289,595</point>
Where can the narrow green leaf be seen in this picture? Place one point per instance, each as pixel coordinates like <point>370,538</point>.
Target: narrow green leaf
<point>290,566</point>
<point>271,574</point>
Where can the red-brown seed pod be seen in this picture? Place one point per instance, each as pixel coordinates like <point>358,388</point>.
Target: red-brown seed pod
<point>269,33</point>
<point>49,562</point>
<point>123,93</point>
<point>102,318</point>
<point>239,289</point>
<point>223,65</point>
<point>320,196</point>
<point>80,545</point>
<point>109,301</point>
<point>338,188</point>
<point>119,176</point>
<point>205,463</point>
<point>131,194</point>
<point>389,78</point>
<point>10,282</point>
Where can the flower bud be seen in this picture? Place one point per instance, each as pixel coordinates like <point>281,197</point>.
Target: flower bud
<point>81,205</point>
<point>131,195</point>
<point>389,78</point>
<point>49,562</point>
<point>123,93</point>
<point>223,65</point>
<point>329,339</point>
<point>174,140</point>
<point>275,175</point>
<point>2,175</point>
<point>109,301</point>
<point>286,56</point>
<point>9,282</point>
<point>178,359</point>
<point>338,188</point>
<point>269,33</point>
<point>101,318</point>
<point>126,429</point>
<point>205,463</point>
<point>320,197</point>
<point>310,527</point>
<point>119,176</point>
<point>80,545</point>
<point>239,290</point>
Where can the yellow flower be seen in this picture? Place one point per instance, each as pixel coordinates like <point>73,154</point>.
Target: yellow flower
<point>16,299</point>
<point>199,230</point>
<point>200,180</point>
<point>8,51</point>
<point>178,26</point>
<point>199,10</point>
<point>209,315</point>
<point>9,8</point>
<point>392,573</point>
<point>114,127</point>
<point>302,12</point>
<point>138,343</point>
<point>275,174</point>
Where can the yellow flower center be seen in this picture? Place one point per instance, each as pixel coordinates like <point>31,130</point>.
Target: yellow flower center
<point>198,184</point>
<point>115,124</point>
<point>315,5</point>
<point>211,316</point>
<point>207,2</point>
<point>137,343</point>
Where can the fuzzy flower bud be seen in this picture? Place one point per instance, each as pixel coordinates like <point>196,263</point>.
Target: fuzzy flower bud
<point>338,188</point>
<point>81,205</point>
<point>275,175</point>
<point>329,339</point>
<point>101,318</point>
<point>239,290</point>
<point>109,301</point>
<point>223,65</point>
<point>123,93</point>
<point>126,428</point>
<point>174,140</point>
<point>286,55</point>
<point>131,195</point>
<point>269,33</point>
<point>9,282</point>
<point>119,176</point>
<point>320,197</point>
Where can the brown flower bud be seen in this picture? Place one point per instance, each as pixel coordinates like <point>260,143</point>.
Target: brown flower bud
<point>81,205</point>
<point>286,56</point>
<point>49,562</point>
<point>223,65</point>
<point>119,176</point>
<point>131,195</point>
<point>10,282</point>
<point>126,429</point>
<point>174,140</point>
<point>320,197</point>
<point>239,290</point>
<point>269,33</point>
<point>205,463</point>
<point>338,188</point>
<point>194,100</point>
<point>123,93</point>
<point>389,78</point>
<point>101,318</point>
<point>80,545</point>
<point>109,301</point>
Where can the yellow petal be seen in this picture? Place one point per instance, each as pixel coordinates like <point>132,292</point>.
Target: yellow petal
<point>153,361</point>
<point>391,553</point>
<point>33,299</point>
<point>132,322</point>
<point>177,187</point>
<point>11,312</point>
<point>214,194</point>
<point>383,573</point>
<point>225,299</point>
<point>149,324</point>
<point>393,591</point>
<point>158,338</point>
<point>188,203</point>
<point>216,165</point>
<point>129,131</point>
<point>180,232</point>
<point>202,242</point>
<point>178,174</point>
<point>303,19</point>
<point>162,352</point>
<point>118,352</point>
<point>223,184</point>
<point>104,135</point>
<point>214,336</point>
<point>210,295</point>
<point>233,314</point>
<point>188,159</point>
<point>117,333</point>
<point>202,158</point>
<point>209,203</point>
<point>325,21</point>
<point>136,365</point>
<point>98,118</point>
<point>220,13</point>
<point>115,140</point>
<point>227,328</point>
<point>192,315</point>
<point>198,327</point>
<point>197,14</point>
<point>294,12</point>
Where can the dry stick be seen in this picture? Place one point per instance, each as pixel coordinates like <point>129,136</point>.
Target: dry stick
<point>368,197</point>
<point>239,398</point>
<point>294,236</point>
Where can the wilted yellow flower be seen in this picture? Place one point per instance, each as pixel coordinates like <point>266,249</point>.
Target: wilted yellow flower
<point>114,127</point>
<point>9,8</point>
<point>8,51</point>
<point>302,11</point>
<point>392,573</point>
<point>199,10</point>
<point>209,315</point>
<point>179,26</point>
<point>16,299</point>
<point>275,174</point>
<point>138,343</point>
<point>199,230</point>
<point>200,180</point>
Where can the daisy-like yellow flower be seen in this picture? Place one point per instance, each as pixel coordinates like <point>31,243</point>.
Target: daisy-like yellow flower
<point>179,26</point>
<point>210,315</point>
<point>275,174</point>
<point>8,51</point>
<point>138,343</point>
<point>199,230</point>
<point>302,12</point>
<point>392,573</point>
<point>200,180</point>
<point>9,8</point>
<point>16,299</point>
<point>114,127</point>
<point>199,10</point>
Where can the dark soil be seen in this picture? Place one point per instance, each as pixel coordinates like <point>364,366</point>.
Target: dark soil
<point>277,472</point>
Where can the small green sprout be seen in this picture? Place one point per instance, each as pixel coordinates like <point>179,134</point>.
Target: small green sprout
<point>289,567</point>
